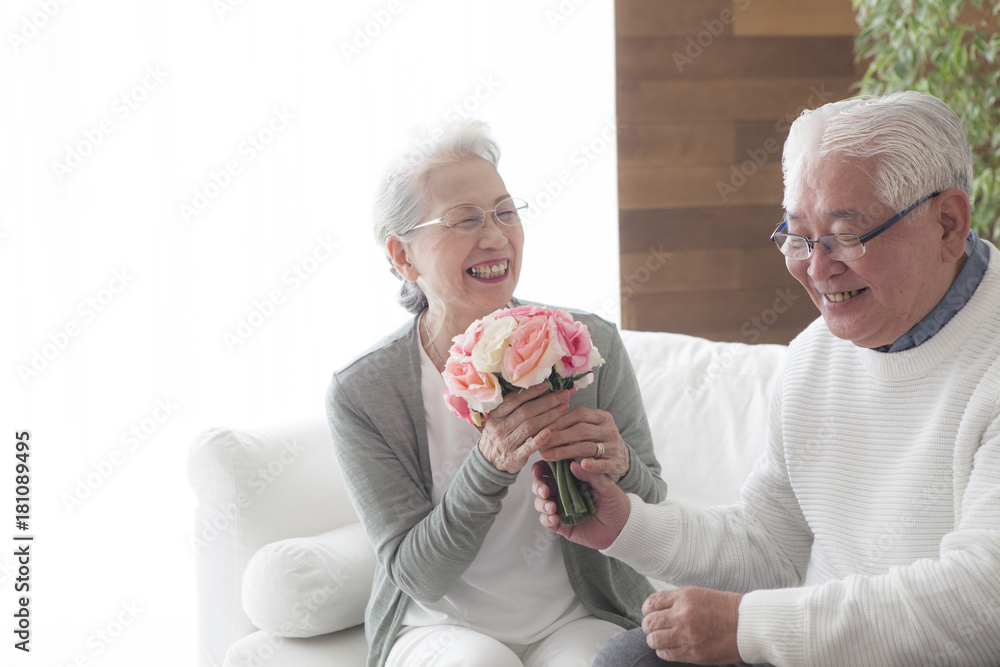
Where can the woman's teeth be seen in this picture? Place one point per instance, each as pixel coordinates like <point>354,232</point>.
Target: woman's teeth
<point>844,296</point>
<point>489,270</point>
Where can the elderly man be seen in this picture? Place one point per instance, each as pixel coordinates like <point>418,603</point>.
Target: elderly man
<point>869,532</point>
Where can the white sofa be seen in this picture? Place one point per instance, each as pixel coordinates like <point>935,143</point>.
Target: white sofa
<point>278,545</point>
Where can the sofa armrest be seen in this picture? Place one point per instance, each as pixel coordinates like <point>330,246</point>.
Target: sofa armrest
<point>254,487</point>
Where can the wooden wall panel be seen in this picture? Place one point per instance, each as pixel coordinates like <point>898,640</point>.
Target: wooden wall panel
<point>694,228</point>
<point>693,186</point>
<point>667,17</point>
<point>706,92</point>
<point>667,58</point>
<point>652,101</point>
<point>675,144</point>
<point>778,314</point>
<point>794,18</point>
<point>701,270</point>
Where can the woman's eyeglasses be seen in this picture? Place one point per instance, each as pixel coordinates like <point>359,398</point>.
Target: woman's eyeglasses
<point>472,218</point>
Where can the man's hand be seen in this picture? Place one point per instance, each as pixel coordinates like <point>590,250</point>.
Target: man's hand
<point>600,530</point>
<point>695,625</point>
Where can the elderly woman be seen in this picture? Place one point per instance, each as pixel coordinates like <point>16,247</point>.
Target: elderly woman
<point>465,573</point>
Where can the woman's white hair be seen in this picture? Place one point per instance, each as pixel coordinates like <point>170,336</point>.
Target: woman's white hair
<point>401,194</point>
<point>916,140</point>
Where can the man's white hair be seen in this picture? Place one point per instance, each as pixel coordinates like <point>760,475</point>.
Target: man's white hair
<point>915,140</point>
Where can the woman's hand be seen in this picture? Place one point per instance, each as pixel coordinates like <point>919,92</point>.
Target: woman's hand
<point>576,435</point>
<point>510,434</point>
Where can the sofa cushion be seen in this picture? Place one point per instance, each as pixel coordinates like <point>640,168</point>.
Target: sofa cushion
<point>307,586</point>
<point>706,402</point>
<point>346,648</point>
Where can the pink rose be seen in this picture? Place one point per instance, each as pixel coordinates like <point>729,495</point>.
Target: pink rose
<point>575,340</point>
<point>595,361</point>
<point>458,406</point>
<point>463,343</point>
<point>534,350</point>
<point>523,312</point>
<point>481,391</point>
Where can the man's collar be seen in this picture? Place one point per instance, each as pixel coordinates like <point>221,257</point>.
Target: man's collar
<point>961,290</point>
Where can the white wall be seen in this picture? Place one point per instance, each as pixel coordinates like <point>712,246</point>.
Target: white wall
<point>170,170</point>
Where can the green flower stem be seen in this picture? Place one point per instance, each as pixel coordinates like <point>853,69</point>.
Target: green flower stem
<point>573,496</point>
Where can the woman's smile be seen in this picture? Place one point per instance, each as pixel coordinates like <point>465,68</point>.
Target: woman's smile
<point>490,270</point>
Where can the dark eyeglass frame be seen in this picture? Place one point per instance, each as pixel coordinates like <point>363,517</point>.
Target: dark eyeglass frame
<point>519,206</point>
<point>862,238</point>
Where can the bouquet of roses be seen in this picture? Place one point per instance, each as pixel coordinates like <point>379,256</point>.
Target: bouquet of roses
<point>517,348</point>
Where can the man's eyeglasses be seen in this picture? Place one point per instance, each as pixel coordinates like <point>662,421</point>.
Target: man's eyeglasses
<point>841,247</point>
<point>469,219</point>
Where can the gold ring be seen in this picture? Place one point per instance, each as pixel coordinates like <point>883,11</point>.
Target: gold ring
<point>600,450</point>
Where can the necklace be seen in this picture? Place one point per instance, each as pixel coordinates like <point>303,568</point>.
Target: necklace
<point>430,341</point>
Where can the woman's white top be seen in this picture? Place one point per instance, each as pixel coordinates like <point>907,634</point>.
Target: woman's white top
<point>516,590</point>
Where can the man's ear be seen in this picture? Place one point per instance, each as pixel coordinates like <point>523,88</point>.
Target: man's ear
<point>955,217</point>
<point>399,254</point>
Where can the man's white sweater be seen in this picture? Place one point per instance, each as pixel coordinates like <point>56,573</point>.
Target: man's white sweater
<point>869,533</point>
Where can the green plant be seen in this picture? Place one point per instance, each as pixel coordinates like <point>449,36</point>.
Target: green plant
<point>950,49</point>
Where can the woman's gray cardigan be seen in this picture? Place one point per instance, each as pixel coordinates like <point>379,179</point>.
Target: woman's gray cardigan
<point>376,416</point>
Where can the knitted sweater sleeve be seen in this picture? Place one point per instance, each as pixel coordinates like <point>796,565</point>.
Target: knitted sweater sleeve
<point>943,610</point>
<point>762,541</point>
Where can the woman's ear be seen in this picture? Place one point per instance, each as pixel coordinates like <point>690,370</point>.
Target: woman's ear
<point>955,217</point>
<point>399,254</point>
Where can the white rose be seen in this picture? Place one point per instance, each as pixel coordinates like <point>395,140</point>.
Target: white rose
<point>488,352</point>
